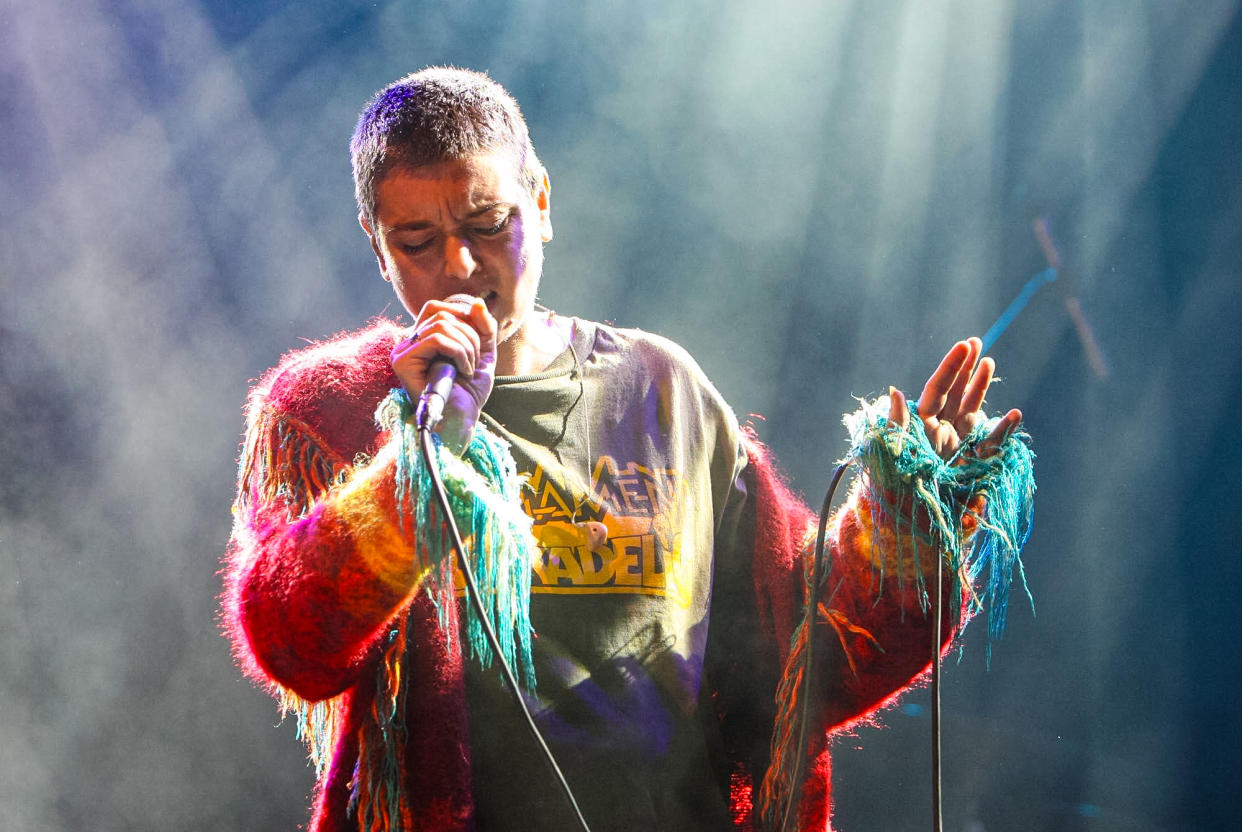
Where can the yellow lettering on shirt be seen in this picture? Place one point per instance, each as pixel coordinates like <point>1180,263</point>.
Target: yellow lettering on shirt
<point>643,511</point>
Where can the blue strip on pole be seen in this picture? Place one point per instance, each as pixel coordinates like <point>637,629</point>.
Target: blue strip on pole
<point>1002,323</point>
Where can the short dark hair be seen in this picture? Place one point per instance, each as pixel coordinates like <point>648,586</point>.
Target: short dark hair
<point>434,115</point>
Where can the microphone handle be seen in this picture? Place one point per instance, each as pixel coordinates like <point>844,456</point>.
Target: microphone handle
<point>440,377</point>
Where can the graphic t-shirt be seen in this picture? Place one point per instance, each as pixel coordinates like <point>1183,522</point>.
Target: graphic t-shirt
<point>633,463</point>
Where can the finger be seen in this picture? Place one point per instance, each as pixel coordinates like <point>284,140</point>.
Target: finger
<point>898,410</point>
<point>977,389</point>
<point>1006,426</point>
<point>932,399</point>
<point>457,306</point>
<point>443,337</point>
<point>437,346</point>
<point>972,399</point>
<point>447,326</point>
<point>483,323</point>
<point>953,401</point>
<point>471,311</point>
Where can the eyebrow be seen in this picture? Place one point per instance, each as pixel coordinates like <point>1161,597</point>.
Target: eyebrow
<point>419,225</point>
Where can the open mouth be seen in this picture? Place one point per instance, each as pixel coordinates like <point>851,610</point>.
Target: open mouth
<point>488,296</point>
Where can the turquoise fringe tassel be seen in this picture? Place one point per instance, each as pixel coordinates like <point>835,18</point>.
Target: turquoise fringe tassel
<point>901,468</point>
<point>485,494</point>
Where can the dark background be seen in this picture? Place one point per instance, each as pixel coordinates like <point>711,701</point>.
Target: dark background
<point>815,199</point>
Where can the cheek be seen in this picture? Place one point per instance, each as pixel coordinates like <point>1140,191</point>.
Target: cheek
<point>518,253</point>
<point>532,262</point>
<point>388,264</point>
<point>410,289</point>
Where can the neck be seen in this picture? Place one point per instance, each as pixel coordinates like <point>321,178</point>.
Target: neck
<point>541,338</point>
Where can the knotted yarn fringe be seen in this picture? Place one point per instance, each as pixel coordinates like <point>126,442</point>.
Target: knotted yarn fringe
<point>284,460</point>
<point>484,492</point>
<point>377,798</point>
<point>902,469</point>
<point>920,499</point>
<point>319,724</point>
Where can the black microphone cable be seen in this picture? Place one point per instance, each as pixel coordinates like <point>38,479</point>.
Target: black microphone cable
<point>472,590</point>
<point>808,663</point>
<point>808,658</point>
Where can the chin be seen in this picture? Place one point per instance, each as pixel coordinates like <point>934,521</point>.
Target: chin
<point>517,319</point>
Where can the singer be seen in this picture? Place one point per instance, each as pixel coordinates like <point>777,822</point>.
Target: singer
<point>642,557</point>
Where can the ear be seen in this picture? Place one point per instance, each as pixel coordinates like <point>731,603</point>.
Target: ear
<point>375,247</point>
<point>543,201</point>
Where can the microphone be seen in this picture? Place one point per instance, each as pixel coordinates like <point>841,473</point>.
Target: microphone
<point>430,410</point>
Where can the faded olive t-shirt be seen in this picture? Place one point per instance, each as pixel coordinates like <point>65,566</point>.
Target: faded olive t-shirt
<point>633,463</point>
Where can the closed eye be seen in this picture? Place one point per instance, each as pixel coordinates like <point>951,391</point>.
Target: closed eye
<point>493,230</point>
<point>416,248</point>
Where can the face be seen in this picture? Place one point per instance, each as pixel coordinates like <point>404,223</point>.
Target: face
<point>463,226</point>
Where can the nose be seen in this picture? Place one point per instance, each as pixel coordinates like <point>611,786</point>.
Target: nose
<point>458,259</point>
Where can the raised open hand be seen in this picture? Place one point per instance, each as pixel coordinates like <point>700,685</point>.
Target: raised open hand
<point>951,401</point>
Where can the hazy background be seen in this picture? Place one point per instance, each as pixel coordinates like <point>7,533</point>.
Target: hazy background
<point>816,200</point>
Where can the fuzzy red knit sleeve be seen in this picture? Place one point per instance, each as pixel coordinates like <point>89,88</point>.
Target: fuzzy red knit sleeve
<point>310,593</point>
<point>880,625</point>
<point>318,563</point>
<point>877,635</point>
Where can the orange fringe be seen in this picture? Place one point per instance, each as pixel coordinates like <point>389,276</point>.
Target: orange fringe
<point>285,459</point>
